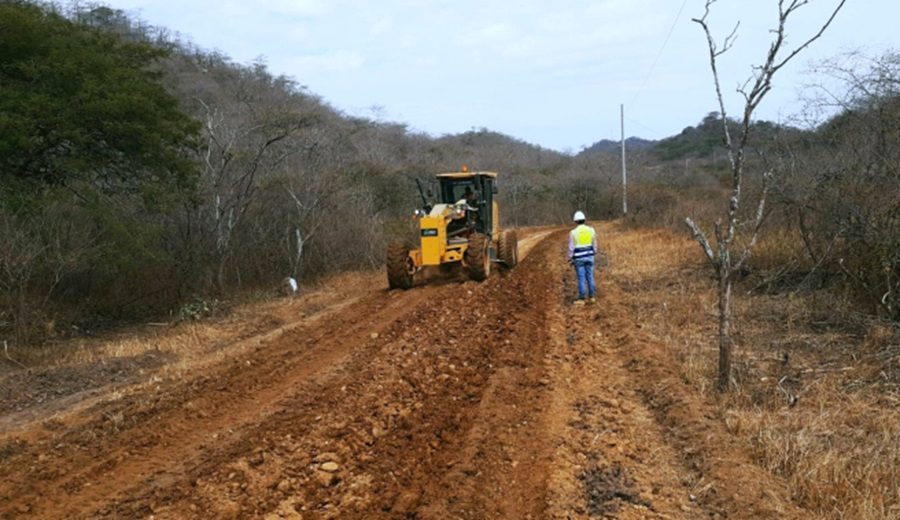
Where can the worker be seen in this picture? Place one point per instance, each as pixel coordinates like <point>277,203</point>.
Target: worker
<point>471,197</point>
<point>582,249</point>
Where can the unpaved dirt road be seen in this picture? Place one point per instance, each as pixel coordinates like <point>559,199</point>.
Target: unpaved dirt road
<point>462,400</point>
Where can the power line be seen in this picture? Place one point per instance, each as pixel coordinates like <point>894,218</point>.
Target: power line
<point>660,53</point>
<point>645,127</point>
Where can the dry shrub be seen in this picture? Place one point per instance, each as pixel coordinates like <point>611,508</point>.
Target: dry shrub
<point>777,249</point>
<point>651,205</point>
<point>880,336</point>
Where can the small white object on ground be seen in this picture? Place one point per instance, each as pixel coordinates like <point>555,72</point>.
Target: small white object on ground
<point>289,285</point>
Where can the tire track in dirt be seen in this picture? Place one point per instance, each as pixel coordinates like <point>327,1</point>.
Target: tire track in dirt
<point>393,425</point>
<point>503,459</point>
<point>612,460</point>
<point>249,334</point>
<point>154,430</point>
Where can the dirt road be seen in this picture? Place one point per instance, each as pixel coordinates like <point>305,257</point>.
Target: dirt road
<point>462,400</point>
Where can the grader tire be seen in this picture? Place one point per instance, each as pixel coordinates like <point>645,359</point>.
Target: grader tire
<point>508,248</point>
<point>478,257</point>
<point>399,266</point>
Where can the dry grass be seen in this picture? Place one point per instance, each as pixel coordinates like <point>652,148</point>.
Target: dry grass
<point>192,341</point>
<point>840,453</point>
<point>838,446</point>
<point>670,274</point>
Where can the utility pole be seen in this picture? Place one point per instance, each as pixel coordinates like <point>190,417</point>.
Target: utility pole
<point>624,173</point>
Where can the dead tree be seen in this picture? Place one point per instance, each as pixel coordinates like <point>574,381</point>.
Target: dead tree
<point>248,136</point>
<point>721,253</point>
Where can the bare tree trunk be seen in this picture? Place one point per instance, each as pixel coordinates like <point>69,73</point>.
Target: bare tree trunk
<point>221,278</point>
<point>725,342</point>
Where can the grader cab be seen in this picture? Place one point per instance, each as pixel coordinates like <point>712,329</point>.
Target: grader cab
<point>460,231</point>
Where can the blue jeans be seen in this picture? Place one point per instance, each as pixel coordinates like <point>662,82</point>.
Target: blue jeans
<point>584,271</point>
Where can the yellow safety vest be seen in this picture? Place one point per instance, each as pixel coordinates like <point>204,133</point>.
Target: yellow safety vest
<point>583,240</point>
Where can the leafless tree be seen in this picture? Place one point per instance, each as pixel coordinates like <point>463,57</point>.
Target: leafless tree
<point>310,197</point>
<point>725,256</point>
<point>37,252</point>
<point>248,126</point>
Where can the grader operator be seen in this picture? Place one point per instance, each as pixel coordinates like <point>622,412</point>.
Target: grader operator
<point>462,230</point>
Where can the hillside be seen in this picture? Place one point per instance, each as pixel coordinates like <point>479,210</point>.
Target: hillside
<point>610,146</point>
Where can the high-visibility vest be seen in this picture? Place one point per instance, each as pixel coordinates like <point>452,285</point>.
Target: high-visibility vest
<point>583,239</point>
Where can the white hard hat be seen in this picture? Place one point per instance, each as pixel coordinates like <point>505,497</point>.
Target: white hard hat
<point>578,216</point>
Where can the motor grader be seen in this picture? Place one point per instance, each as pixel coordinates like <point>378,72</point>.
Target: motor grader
<point>459,232</point>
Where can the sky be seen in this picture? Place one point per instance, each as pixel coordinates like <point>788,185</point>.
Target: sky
<point>552,73</point>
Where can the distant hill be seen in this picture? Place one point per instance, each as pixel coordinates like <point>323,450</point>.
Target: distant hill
<point>607,145</point>
<point>695,141</point>
<point>705,139</point>
<point>700,141</point>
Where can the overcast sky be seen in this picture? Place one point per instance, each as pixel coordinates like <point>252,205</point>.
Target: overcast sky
<point>552,73</point>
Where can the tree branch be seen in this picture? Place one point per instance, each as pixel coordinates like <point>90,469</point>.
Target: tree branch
<point>700,237</point>
<point>794,6</point>
<point>758,222</point>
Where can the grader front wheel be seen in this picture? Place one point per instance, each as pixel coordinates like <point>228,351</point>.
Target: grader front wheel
<point>400,267</point>
<point>508,248</point>
<point>478,257</point>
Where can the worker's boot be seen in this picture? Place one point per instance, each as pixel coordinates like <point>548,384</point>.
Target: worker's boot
<point>579,302</point>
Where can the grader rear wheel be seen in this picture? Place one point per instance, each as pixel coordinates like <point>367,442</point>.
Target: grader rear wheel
<point>400,267</point>
<point>478,257</point>
<point>508,248</point>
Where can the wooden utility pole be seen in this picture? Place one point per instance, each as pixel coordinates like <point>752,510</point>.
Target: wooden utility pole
<point>624,173</point>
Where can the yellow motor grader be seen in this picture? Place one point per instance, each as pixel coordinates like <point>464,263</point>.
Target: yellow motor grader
<point>461,230</point>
